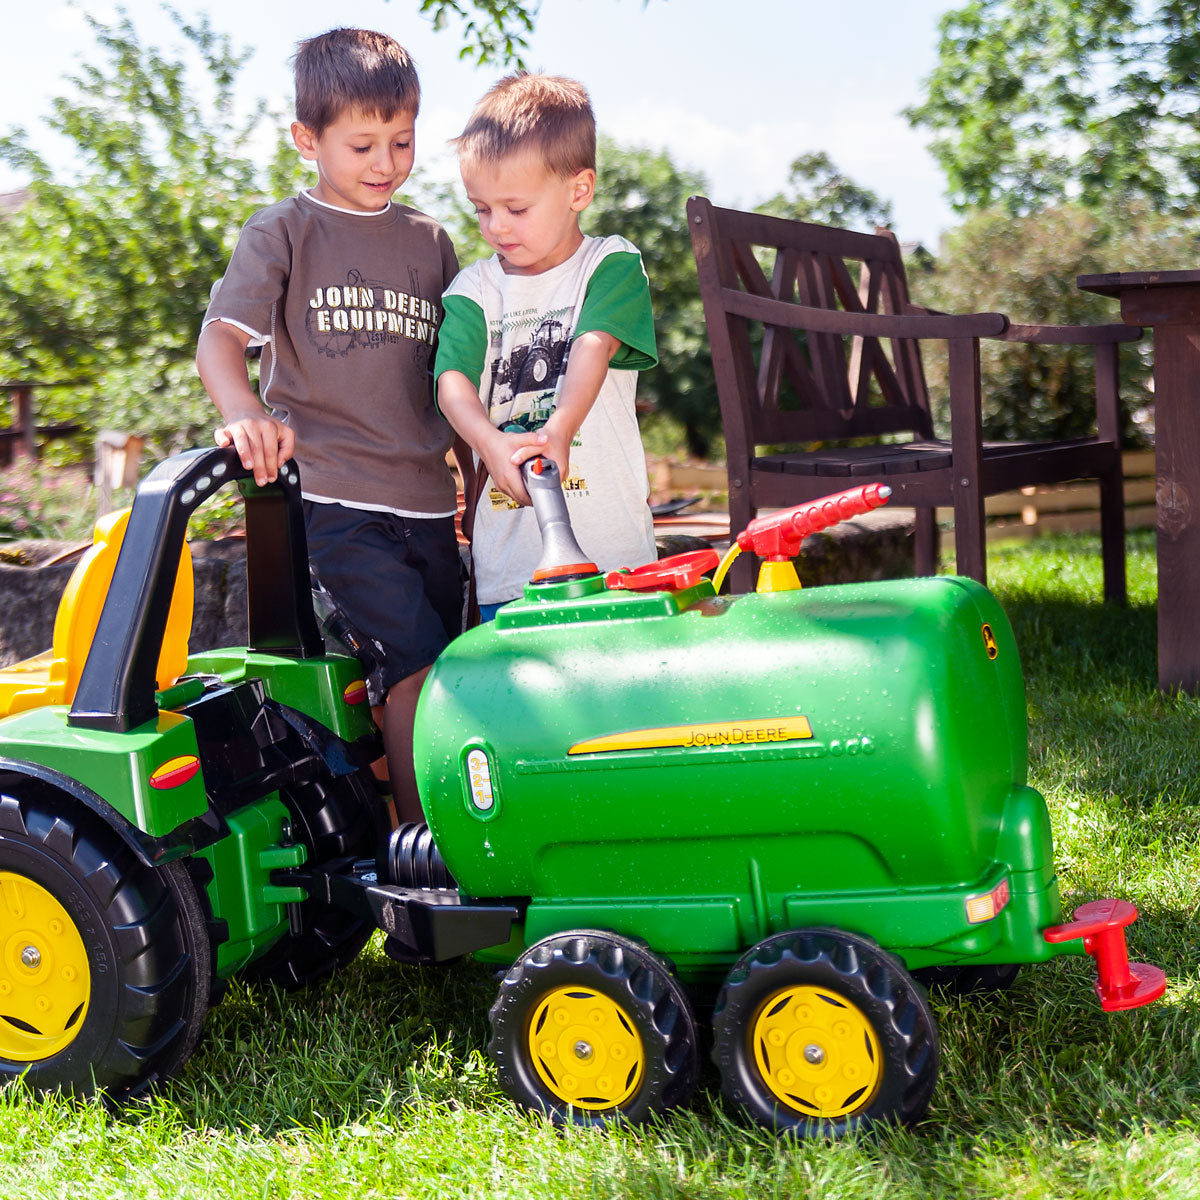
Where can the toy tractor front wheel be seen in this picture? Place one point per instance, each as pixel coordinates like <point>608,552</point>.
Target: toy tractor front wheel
<point>105,963</point>
<point>590,1027</point>
<point>817,1032</point>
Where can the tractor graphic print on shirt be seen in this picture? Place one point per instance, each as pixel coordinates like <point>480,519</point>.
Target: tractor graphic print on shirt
<point>525,391</point>
<point>535,366</point>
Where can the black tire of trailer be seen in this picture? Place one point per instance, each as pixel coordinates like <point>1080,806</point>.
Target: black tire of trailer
<point>834,968</point>
<point>970,980</point>
<point>627,977</point>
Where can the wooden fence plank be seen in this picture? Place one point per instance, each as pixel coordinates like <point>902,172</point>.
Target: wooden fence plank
<point>1063,507</point>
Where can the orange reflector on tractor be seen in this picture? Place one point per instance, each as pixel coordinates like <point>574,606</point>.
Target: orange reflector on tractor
<point>984,908</point>
<point>175,771</point>
<point>356,692</point>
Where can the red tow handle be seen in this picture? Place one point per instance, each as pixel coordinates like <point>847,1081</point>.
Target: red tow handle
<point>779,535</point>
<point>1119,983</point>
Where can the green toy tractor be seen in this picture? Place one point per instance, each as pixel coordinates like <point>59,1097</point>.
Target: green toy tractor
<point>638,791</point>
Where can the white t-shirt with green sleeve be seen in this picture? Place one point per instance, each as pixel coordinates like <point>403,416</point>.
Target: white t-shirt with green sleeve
<point>511,335</point>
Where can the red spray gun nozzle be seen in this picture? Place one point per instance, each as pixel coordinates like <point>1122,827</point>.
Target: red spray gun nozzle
<point>779,535</point>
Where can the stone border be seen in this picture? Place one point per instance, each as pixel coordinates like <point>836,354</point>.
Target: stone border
<point>30,592</point>
<point>875,546</point>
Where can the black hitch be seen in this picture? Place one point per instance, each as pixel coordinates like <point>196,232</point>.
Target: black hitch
<point>429,924</point>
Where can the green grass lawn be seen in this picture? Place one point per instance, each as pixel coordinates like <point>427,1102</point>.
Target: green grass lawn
<point>377,1084</point>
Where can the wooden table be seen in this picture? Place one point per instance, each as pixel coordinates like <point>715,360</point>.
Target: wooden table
<point>1169,303</point>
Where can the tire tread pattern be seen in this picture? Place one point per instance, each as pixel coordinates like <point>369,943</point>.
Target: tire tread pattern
<point>857,968</point>
<point>631,975</point>
<point>147,1006</point>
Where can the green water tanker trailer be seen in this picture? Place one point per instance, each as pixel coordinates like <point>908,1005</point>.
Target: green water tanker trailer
<point>638,792</point>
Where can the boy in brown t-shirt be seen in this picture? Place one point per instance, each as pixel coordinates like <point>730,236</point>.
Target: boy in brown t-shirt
<point>342,289</point>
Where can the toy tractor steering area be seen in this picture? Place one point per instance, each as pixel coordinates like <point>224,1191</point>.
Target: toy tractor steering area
<point>637,790</point>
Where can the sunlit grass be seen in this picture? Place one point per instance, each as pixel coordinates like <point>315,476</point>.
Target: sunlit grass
<point>377,1084</point>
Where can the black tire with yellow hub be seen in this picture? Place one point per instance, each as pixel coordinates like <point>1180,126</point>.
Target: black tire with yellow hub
<point>591,1027</point>
<point>105,963</point>
<point>818,1032</point>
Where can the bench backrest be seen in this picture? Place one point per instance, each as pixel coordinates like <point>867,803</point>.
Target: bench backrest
<point>795,385</point>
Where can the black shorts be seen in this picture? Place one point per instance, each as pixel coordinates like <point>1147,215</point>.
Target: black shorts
<point>397,579</point>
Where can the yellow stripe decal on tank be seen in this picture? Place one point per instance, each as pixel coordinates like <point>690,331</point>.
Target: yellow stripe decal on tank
<point>714,733</point>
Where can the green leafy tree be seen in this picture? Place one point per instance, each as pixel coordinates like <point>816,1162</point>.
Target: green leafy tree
<point>1041,101</point>
<point>642,195</point>
<point>493,31</point>
<point>817,191</point>
<point>105,273</point>
<point>1026,266</point>
<point>105,277</point>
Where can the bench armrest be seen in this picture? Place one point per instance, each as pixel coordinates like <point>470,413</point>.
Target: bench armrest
<point>1071,335</point>
<point>880,325</point>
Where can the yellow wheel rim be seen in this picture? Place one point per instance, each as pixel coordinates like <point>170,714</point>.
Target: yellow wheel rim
<point>44,978</point>
<point>585,1049</point>
<point>816,1051</point>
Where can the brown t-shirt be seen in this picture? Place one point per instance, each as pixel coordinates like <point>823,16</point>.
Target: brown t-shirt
<point>346,307</point>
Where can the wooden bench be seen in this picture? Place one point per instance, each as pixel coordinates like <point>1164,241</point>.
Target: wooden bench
<point>816,351</point>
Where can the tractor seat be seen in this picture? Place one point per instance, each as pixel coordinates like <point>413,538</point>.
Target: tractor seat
<point>52,676</point>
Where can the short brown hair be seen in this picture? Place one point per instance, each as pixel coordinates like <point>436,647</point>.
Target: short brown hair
<point>353,69</point>
<point>549,114</point>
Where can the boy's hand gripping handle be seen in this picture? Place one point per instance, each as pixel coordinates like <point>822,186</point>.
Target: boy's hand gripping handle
<point>562,558</point>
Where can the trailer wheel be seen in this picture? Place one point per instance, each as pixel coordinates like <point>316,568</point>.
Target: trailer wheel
<point>591,1027</point>
<point>105,963</point>
<point>817,1032</point>
<point>334,817</point>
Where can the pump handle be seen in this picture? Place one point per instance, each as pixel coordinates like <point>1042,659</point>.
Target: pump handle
<point>562,558</point>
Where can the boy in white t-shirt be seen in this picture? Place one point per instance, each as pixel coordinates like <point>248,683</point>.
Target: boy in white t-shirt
<point>541,344</point>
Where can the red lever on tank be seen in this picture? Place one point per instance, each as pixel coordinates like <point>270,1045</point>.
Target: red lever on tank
<point>779,535</point>
<point>668,574</point>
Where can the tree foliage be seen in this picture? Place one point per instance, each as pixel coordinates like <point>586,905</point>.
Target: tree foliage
<point>1041,101</point>
<point>105,273</point>
<point>817,191</point>
<point>1026,267</point>
<point>493,31</point>
<point>642,195</point>
<point>105,277</point>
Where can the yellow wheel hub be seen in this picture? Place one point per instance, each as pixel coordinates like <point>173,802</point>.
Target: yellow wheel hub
<point>816,1051</point>
<point>44,978</point>
<point>585,1048</point>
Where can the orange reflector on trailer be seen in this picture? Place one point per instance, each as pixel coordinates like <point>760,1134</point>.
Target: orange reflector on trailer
<point>356,692</point>
<point>175,771</point>
<point>984,908</point>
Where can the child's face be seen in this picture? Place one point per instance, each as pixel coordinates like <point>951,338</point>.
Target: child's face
<point>527,214</point>
<point>361,160</point>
